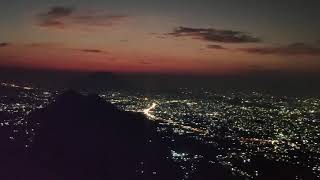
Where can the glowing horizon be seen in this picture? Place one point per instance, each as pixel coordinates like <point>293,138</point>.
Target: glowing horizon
<point>196,37</point>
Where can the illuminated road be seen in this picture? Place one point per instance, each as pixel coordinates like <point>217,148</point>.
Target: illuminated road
<point>148,110</point>
<point>16,86</point>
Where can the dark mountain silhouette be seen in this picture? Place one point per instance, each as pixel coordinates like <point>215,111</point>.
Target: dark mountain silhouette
<point>86,138</point>
<point>97,80</point>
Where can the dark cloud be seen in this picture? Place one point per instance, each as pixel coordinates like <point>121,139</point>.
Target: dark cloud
<point>55,16</point>
<point>34,45</point>
<point>44,45</point>
<point>61,17</point>
<point>58,12</point>
<point>92,51</point>
<point>4,44</point>
<point>58,45</point>
<point>288,50</point>
<point>215,46</point>
<point>99,19</point>
<point>215,35</point>
<point>161,37</point>
<point>53,23</point>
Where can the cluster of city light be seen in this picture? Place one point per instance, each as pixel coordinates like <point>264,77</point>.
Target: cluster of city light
<point>16,105</point>
<point>251,123</point>
<point>238,127</point>
<point>187,162</point>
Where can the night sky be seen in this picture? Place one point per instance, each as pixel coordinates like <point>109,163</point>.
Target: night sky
<point>161,36</point>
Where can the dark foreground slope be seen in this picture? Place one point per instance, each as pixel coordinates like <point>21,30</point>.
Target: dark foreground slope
<point>85,138</point>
